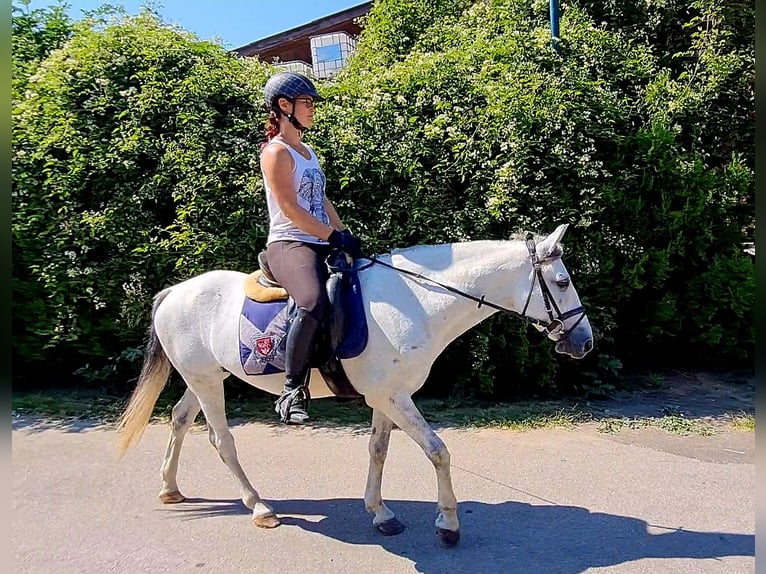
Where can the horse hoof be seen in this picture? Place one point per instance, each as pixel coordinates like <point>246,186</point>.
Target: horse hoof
<point>171,497</point>
<point>270,520</point>
<point>449,537</point>
<point>390,527</point>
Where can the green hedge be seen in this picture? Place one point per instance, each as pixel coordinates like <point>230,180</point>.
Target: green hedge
<point>136,165</point>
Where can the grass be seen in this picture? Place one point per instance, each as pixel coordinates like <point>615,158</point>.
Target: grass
<point>519,416</point>
<point>337,412</point>
<point>68,405</point>
<point>675,424</point>
<point>83,405</point>
<point>743,421</point>
<point>89,405</point>
<point>514,416</point>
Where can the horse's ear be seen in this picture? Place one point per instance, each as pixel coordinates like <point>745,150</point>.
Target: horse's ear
<point>547,245</point>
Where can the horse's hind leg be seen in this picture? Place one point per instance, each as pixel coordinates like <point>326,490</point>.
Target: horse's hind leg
<point>402,411</point>
<point>184,413</point>
<point>384,520</point>
<point>211,398</point>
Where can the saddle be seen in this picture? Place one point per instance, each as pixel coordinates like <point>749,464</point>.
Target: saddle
<point>343,333</point>
<point>261,285</point>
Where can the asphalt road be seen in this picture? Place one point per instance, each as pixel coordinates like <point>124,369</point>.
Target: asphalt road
<point>544,501</point>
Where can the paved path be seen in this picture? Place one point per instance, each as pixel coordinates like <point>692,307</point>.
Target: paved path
<point>545,501</point>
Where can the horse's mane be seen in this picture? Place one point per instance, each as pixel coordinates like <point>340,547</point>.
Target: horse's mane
<point>413,249</point>
<point>558,250</point>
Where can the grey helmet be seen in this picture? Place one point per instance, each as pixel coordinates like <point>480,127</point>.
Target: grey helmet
<point>289,85</point>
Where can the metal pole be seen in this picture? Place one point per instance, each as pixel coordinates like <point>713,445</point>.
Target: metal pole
<point>555,26</point>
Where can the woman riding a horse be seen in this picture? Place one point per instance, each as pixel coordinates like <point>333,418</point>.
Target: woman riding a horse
<point>303,226</point>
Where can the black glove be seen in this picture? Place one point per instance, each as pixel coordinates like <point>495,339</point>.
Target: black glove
<point>346,242</point>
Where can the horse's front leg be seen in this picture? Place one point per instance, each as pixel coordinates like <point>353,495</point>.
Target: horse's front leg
<point>402,410</point>
<point>384,520</point>
<point>209,392</point>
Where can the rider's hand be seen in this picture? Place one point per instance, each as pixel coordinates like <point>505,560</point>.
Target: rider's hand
<point>347,242</point>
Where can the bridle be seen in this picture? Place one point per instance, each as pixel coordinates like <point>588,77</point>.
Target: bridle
<point>553,327</point>
<point>556,324</point>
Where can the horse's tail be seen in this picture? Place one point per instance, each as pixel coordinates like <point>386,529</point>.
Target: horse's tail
<point>154,376</point>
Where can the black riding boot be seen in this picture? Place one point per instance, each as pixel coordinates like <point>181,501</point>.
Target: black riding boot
<point>292,405</point>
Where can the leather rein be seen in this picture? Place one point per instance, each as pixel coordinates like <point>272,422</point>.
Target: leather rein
<point>553,327</point>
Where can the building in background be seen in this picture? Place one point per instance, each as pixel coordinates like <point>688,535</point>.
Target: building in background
<point>319,48</point>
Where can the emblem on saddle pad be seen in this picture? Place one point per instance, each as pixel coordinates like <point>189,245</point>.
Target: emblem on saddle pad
<point>266,348</point>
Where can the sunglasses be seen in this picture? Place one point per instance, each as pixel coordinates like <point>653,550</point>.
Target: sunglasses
<point>307,101</point>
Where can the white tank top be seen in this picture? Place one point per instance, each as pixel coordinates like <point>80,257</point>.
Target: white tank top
<point>309,185</point>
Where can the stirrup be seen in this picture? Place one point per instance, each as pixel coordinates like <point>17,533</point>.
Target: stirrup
<point>290,405</point>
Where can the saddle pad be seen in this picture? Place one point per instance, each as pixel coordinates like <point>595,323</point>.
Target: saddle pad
<point>262,328</point>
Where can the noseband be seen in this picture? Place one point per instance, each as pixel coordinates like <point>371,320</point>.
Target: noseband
<point>553,327</point>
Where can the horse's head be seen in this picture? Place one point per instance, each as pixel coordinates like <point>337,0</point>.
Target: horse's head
<point>552,305</point>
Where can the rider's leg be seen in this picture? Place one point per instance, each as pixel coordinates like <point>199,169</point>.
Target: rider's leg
<point>300,268</point>
<point>292,405</point>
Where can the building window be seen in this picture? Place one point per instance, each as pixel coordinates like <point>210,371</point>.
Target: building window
<point>329,53</point>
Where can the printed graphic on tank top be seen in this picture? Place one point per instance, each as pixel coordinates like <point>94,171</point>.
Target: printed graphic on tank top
<point>311,191</point>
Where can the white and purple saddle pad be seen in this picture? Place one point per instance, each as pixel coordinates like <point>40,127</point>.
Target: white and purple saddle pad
<point>262,328</point>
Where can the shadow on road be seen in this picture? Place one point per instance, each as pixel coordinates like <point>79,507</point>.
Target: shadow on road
<point>503,537</point>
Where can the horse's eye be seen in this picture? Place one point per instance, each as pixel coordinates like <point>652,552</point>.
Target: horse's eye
<point>562,281</point>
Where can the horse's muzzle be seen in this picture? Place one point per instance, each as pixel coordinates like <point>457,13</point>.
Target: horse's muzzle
<point>578,343</point>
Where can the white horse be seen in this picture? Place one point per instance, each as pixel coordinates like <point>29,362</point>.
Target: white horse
<point>410,320</point>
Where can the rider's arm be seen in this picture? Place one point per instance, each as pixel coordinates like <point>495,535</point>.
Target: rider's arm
<point>277,167</point>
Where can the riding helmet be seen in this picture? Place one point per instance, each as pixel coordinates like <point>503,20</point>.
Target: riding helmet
<point>288,85</point>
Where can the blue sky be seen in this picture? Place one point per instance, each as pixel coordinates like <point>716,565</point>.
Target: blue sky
<point>234,22</point>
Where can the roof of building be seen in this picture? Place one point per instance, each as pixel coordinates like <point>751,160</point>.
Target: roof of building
<point>286,41</point>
